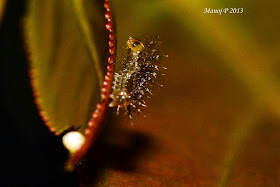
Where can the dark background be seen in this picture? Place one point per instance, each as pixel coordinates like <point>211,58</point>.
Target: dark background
<point>30,154</point>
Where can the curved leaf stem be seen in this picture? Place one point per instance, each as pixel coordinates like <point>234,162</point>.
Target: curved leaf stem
<point>240,134</point>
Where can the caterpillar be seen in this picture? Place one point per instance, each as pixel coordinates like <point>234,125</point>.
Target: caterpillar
<point>140,70</point>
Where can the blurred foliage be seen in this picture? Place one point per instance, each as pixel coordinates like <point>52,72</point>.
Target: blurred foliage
<point>216,120</point>
<point>2,5</point>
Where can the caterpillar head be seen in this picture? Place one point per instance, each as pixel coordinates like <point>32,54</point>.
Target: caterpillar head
<point>134,45</point>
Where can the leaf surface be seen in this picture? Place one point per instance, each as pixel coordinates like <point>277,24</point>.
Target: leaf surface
<point>66,65</point>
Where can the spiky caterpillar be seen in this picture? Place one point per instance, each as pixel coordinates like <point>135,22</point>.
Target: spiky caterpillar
<point>133,84</point>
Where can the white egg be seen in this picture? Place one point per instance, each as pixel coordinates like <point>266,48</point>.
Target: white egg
<point>73,141</point>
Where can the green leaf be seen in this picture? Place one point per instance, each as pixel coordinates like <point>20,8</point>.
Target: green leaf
<point>67,47</point>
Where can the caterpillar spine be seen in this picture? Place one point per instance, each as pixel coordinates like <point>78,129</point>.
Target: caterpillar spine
<point>133,84</point>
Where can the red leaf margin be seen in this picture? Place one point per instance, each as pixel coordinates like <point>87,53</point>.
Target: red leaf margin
<point>95,123</point>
